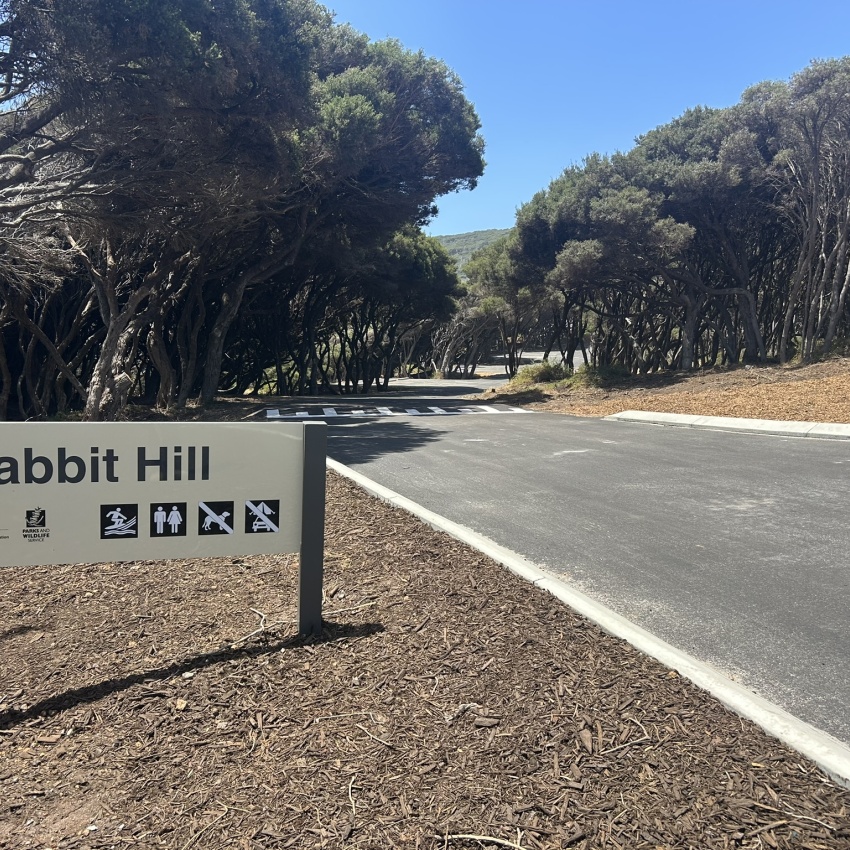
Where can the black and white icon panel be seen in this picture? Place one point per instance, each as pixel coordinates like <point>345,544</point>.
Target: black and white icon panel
<point>215,518</point>
<point>262,516</point>
<point>36,518</point>
<point>168,519</point>
<point>119,521</point>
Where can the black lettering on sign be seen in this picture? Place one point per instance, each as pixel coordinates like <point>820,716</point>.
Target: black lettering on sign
<point>68,468</point>
<point>159,463</point>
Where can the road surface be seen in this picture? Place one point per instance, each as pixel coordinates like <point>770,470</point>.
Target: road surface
<point>732,547</point>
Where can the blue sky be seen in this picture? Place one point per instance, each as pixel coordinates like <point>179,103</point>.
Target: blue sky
<point>553,81</point>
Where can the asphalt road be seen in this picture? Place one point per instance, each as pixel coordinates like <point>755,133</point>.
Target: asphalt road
<point>732,547</point>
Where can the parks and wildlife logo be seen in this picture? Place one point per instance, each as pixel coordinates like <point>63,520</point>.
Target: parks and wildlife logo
<point>36,529</point>
<point>37,518</point>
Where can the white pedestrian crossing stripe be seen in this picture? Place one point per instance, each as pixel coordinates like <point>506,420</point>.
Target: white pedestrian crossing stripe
<point>377,412</point>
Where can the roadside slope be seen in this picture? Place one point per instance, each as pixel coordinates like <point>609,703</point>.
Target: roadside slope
<point>820,392</point>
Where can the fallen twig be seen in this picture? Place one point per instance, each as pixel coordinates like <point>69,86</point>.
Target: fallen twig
<point>488,838</point>
<point>806,817</point>
<point>210,825</point>
<point>766,827</point>
<point>263,627</point>
<point>627,744</point>
<point>375,737</point>
<point>461,710</point>
<point>347,610</point>
<point>794,815</point>
<point>335,716</point>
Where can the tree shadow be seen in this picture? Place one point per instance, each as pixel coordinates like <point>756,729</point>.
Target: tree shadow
<point>411,389</point>
<point>15,631</point>
<point>331,632</point>
<point>605,379</point>
<point>522,396</point>
<point>432,389</point>
<point>360,441</point>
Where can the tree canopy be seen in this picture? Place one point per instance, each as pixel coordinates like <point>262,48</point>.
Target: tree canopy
<point>720,238</point>
<point>168,167</point>
<point>203,196</point>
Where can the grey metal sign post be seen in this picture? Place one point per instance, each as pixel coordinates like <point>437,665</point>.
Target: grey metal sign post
<point>311,567</point>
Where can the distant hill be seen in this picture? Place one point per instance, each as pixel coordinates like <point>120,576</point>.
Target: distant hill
<point>461,246</point>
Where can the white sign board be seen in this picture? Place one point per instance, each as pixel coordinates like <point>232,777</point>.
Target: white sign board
<point>92,492</point>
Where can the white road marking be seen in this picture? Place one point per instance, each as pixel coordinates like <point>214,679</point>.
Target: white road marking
<point>368,413</point>
<point>823,749</point>
<point>740,505</point>
<point>571,452</point>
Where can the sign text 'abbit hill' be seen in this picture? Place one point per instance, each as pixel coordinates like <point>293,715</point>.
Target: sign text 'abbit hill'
<point>177,463</point>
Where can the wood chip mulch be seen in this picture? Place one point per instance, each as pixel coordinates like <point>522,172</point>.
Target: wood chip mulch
<point>448,705</point>
<point>815,393</point>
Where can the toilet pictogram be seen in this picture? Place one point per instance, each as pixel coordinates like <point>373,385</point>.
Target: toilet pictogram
<point>168,519</point>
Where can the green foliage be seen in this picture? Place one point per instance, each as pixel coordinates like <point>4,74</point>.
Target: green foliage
<point>599,376</point>
<point>722,236</point>
<point>541,373</point>
<point>461,246</point>
<point>195,156</point>
<point>547,372</point>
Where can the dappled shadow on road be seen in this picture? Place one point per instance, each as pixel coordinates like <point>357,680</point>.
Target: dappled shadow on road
<point>424,388</point>
<point>429,389</point>
<point>360,442</point>
<point>448,389</point>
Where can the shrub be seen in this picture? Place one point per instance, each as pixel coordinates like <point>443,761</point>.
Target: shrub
<point>600,376</point>
<point>542,373</point>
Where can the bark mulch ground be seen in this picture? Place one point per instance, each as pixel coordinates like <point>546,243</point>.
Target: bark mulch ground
<point>819,392</point>
<point>447,705</point>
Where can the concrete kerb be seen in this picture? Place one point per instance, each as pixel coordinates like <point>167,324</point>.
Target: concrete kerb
<point>828,753</point>
<point>772,427</point>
